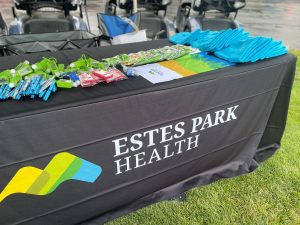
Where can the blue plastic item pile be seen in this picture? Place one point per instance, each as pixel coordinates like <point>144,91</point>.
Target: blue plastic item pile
<point>232,45</point>
<point>35,87</point>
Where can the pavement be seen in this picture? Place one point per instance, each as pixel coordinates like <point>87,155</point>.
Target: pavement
<point>279,19</point>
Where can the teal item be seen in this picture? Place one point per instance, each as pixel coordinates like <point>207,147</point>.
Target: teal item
<point>210,40</point>
<point>252,50</point>
<point>232,45</point>
<point>180,38</point>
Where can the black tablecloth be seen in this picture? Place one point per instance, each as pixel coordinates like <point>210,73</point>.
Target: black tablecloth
<point>151,141</point>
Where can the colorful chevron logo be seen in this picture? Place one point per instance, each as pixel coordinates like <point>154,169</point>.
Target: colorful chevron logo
<point>64,166</point>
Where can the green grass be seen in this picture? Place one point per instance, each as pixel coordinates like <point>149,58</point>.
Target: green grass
<point>269,195</point>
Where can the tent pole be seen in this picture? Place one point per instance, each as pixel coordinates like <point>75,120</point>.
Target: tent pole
<point>86,15</point>
<point>135,6</point>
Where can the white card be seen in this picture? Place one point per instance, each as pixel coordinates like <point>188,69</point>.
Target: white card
<point>155,73</point>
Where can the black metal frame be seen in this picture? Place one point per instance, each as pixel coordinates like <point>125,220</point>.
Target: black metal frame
<point>3,25</point>
<point>156,6</point>
<point>5,49</point>
<point>224,6</point>
<point>30,5</point>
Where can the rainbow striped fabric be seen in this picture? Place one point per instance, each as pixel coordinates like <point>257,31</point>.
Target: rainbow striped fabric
<point>64,166</point>
<point>187,65</point>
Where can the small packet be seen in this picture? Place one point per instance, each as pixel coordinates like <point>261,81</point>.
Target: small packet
<point>133,59</point>
<point>102,74</point>
<point>130,72</point>
<point>117,75</point>
<point>22,69</point>
<point>76,81</point>
<point>97,79</point>
<point>88,80</point>
<point>63,83</point>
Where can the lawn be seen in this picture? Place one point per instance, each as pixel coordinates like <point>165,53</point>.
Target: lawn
<point>269,195</point>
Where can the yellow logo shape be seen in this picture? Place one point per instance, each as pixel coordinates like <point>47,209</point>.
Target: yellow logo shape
<point>64,166</point>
